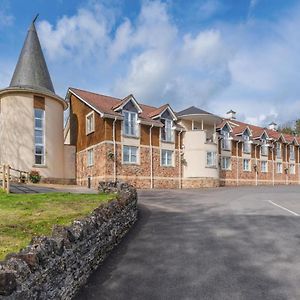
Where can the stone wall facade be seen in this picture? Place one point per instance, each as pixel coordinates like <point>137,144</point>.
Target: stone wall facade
<point>138,174</point>
<point>56,267</point>
<point>236,176</point>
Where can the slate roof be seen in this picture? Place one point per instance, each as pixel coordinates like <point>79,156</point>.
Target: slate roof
<point>31,70</point>
<point>107,104</point>
<point>238,127</point>
<point>193,110</point>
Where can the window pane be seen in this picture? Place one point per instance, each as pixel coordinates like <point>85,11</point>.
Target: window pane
<point>39,113</point>
<point>126,154</point>
<point>39,160</point>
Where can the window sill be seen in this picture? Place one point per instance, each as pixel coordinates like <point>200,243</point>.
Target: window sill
<point>247,171</point>
<point>226,169</point>
<point>88,133</point>
<point>211,167</point>
<point>168,142</point>
<point>130,164</point>
<point>167,166</point>
<point>226,149</point>
<point>131,136</point>
<point>40,166</point>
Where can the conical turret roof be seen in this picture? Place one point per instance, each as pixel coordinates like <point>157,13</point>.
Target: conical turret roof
<point>31,70</point>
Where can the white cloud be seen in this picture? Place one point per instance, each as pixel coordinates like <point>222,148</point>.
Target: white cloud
<point>6,18</point>
<point>251,67</point>
<point>209,8</point>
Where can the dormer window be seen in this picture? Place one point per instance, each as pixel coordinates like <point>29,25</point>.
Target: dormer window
<point>246,144</point>
<point>292,152</point>
<point>226,142</point>
<point>264,148</point>
<point>278,150</point>
<point>130,124</point>
<point>167,131</point>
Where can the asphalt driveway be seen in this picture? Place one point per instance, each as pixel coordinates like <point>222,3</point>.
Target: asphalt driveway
<point>227,243</point>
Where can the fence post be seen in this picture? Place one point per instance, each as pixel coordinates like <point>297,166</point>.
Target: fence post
<point>8,179</point>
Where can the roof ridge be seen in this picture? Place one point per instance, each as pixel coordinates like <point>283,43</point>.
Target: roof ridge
<point>94,93</point>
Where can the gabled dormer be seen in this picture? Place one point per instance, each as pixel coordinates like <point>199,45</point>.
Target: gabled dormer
<point>264,143</point>
<point>130,110</point>
<point>168,118</point>
<point>225,131</point>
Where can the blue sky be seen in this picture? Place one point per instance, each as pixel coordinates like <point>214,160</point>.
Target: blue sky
<point>215,54</point>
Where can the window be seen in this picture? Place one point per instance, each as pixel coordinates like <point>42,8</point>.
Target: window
<point>90,123</point>
<point>167,158</point>
<point>90,157</point>
<point>167,131</point>
<point>292,152</point>
<point>246,144</point>
<point>39,136</point>
<point>279,167</point>
<point>226,142</point>
<point>278,150</point>
<point>264,166</point>
<point>292,169</point>
<point>226,163</point>
<point>130,154</point>
<point>130,123</point>
<point>211,159</point>
<point>247,165</point>
<point>264,148</point>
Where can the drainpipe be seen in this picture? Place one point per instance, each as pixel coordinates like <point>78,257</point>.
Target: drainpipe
<point>256,171</point>
<point>237,163</point>
<point>287,166</point>
<point>179,163</point>
<point>114,142</point>
<point>273,158</point>
<point>299,164</point>
<point>151,159</point>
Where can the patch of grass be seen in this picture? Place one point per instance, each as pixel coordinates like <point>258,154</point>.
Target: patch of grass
<point>24,216</point>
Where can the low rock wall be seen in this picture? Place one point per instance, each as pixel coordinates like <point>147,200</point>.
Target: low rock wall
<point>56,267</point>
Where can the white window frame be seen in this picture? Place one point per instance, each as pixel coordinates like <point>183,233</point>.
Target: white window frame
<point>246,144</point>
<point>249,165</point>
<point>292,169</point>
<point>165,160</point>
<point>264,149</point>
<point>265,163</point>
<point>90,157</point>
<point>90,123</point>
<point>132,129</point>
<point>292,152</point>
<point>43,143</point>
<point>168,131</point>
<point>226,142</point>
<point>211,162</point>
<point>279,170</point>
<point>131,155</point>
<point>278,150</point>
<point>226,166</point>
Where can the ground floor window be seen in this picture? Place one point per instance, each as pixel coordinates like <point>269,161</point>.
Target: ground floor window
<point>90,157</point>
<point>292,169</point>
<point>226,163</point>
<point>167,158</point>
<point>211,159</point>
<point>130,154</point>
<point>279,167</point>
<point>264,166</point>
<point>246,165</point>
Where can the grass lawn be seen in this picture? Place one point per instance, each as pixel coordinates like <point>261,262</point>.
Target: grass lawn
<point>24,216</point>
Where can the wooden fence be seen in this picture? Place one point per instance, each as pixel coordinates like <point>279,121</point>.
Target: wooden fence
<point>10,175</point>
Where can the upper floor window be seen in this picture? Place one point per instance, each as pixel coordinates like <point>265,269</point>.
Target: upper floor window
<point>246,144</point>
<point>39,136</point>
<point>130,123</point>
<point>292,152</point>
<point>278,150</point>
<point>90,122</point>
<point>225,142</point>
<point>264,148</point>
<point>167,131</point>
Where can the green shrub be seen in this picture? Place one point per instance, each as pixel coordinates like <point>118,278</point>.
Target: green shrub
<point>34,177</point>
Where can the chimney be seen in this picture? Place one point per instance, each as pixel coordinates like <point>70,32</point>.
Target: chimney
<point>231,115</point>
<point>272,126</point>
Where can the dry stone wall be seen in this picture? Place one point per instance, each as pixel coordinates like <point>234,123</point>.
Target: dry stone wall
<point>56,267</point>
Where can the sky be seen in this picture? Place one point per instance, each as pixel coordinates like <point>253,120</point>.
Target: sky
<point>215,54</point>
